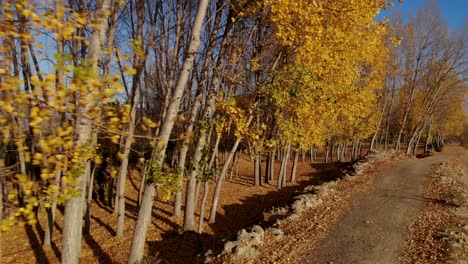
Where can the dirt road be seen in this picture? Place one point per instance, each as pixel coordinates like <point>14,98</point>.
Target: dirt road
<point>375,228</point>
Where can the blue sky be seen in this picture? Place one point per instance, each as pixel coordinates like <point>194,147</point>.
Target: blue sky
<point>454,12</point>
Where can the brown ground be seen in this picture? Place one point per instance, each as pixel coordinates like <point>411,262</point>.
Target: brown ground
<point>241,205</point>
<point>364,221</point>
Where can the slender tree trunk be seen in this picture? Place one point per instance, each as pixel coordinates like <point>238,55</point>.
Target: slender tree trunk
<point>415,149</point>
<point>191,197</point>
<point>219,182</point>
<point>257,166</point>
<point>124,166</point>
<point>343,153</point>
<point>89,197</point>
<point>426,144</point>
<point>72,230</point>
<point>144,214</point>
<point>203,206</point>
<point>338,153</point>
<point>379,124</point>
<point>334,149</point>
<point>311,153</point>
<point>294,168</point>
<point>110,193</point>
<point>327,150</point>
<point>2,177</point>
<point>287,158</point>
<point>197,192</point>
<point>142,184</point>
<point>267,169</point>
<point>272,166</point>
<point>51,214</point>
<point>183,154</point>
<point>281,172</point>
<point>115,196</point>
<point>408,105</point>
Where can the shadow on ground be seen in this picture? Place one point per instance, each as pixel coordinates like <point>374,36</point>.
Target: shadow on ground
<point>189,247</point>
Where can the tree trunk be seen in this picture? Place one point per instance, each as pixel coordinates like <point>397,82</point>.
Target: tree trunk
<point>288,156</point>
<point>124,166</point>
<point>327,150</point>
<point>2,177</point>
<point>72,230</point>
<point>343,153</point>
<point>379,124</point>
<point>311,153</point>
<point>142,184</point>
<point>191,197</point>
<point>144,214</point>
<point>272,166</point>
<point>237,164</point>
<point>267,169</point>
<point>426,145</point>
<point>203,206</point>
<point>408,105</point>
<point>294,168</point>
<point>110,192</point>
<point>257,166</point>
<point>334,149</point>
<point>281,172</point>
<point>51,214</point>
<point>183,154</point>
<point>219,182</point>
<point>89,197</point>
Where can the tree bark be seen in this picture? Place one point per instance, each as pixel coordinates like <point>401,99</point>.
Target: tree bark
<point>281,172</point>
<point>72,230</point>
<point>219,181</point>
<point>203,206</point>
<point>144,214</point>
<point>183,154</point>
<point>294,168</point>
<point>285,168</point>
<point>257,166</point>
<point>191,197</point>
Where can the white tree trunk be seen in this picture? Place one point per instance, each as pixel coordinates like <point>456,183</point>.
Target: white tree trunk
<point>144,214</point>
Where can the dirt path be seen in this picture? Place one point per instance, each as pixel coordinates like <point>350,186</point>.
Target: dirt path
<point>375,228</point>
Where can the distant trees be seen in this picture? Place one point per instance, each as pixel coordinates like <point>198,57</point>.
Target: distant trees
<point>423,82</point>
<point>92,89</point>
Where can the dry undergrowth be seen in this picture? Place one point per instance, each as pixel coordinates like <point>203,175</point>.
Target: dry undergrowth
<point>439,233</point>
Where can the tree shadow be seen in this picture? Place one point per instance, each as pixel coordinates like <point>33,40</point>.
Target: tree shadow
<point>129,207</point>
<point>130,176</point>
<point>36,245</point>
<point>98,252</point>
<point>102,206</point>
<point>41,232</point>
<point>189,247</point>
<point>106,226</point>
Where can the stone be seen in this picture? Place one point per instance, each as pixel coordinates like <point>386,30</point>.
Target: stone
<point>278,233</point>
<point>245,252</point>
<point>228,246</point>
<point>258,229</point>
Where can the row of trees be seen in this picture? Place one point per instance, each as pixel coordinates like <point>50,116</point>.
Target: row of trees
<point>89,88</point>
<point>422,99</point>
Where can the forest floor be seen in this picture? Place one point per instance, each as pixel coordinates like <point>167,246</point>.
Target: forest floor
<point>398,211</point>
<point>391,209</point>
<point>241,204</point>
